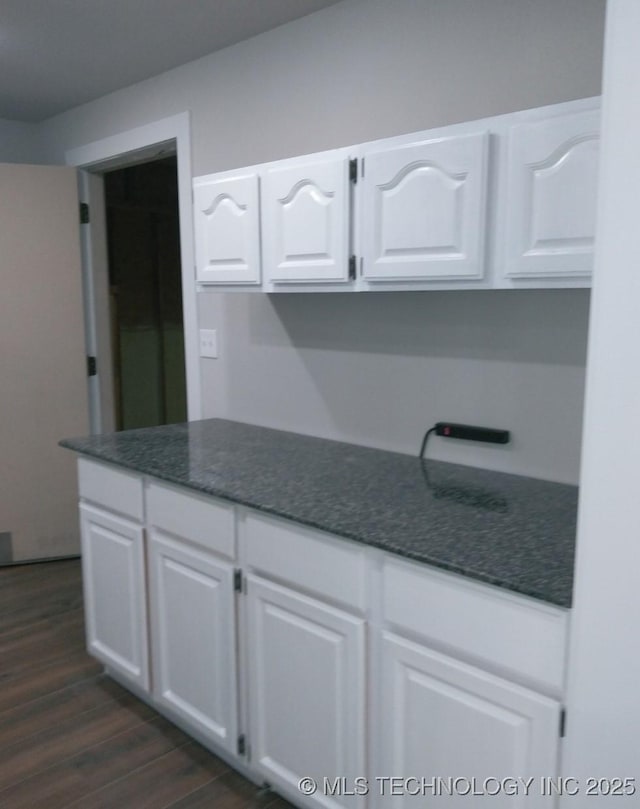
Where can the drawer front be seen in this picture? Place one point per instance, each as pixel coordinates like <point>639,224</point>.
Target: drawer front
<point>201,519</point>
<point>310,560</point>
<point>514,634</point>
<point>115,489</point>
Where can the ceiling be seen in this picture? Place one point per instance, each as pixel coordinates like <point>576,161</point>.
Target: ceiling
<point>56,54</point>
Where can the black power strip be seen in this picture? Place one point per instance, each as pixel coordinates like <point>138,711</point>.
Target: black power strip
<point>447,429</point>
<point>469,433</point>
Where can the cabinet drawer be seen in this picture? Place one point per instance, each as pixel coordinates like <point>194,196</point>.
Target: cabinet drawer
<point>203,520</point>
<point>115,489</point>
<point>309,560</point>
<point>512,634</point>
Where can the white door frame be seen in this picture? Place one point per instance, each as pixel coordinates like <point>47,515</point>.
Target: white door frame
<point>118,151</point>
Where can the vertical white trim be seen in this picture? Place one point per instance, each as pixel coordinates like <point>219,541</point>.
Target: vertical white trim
<point>603,710</point>
<point>124,148</point>
<point>89,303</point>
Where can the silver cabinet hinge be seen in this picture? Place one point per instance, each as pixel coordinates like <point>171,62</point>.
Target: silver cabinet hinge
<point>84,213</point>
<point>92,366</point>
<point>352,268</point>
<point>353,170</point>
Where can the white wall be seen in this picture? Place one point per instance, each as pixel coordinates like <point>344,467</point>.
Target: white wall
<point>379,369</point>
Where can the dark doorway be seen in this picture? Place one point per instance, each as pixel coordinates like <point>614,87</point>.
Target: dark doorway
<point>146,294</point>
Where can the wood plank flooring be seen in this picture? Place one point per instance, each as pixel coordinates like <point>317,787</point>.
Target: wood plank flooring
<point>70,736</point>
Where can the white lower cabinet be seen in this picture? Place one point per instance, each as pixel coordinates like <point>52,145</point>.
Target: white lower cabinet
<point>298,655</point>
<point>113,572</point>
<point>192,612</point>
<point>306,658</point>
<point>453,731</point>
<point>469,681</point>
<point>306,687</point>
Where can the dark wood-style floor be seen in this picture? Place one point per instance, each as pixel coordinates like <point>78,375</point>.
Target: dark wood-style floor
<point>70,736</point>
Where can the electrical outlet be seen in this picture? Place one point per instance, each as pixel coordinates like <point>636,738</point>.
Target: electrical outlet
<point>209,343</point>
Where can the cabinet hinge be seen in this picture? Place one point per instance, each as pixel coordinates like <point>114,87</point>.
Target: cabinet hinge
<point>563,722</point>
<point>353,170</point>
<point>237,580</point>
<point>84,213</point>
<point>92,366</point>
<point>242,744</point>
<point>352,268</point>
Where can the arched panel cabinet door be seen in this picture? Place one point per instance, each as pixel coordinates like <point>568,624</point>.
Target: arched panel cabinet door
<point>424,210</point>
<point>306,221</point>
<point>227,229</point>
<point>550,209</point>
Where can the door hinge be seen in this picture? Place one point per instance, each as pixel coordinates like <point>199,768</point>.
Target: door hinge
<point>352,268</point>
<point>84,213</point>
<point>237,580</point>
<point>353,170</point>
<point>563,722</point>
<point>242,744</point>
<point>92,366</point>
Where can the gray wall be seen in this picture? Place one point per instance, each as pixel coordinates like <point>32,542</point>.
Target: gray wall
<point>380,368</point>
<point>20,142</point>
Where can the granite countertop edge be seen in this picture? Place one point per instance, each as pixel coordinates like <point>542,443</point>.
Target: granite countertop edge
<point>552,593</point>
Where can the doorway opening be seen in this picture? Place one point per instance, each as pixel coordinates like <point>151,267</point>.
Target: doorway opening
<point>145,294</point>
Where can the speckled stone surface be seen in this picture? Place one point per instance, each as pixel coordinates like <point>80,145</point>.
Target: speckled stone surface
<point>511,531</point>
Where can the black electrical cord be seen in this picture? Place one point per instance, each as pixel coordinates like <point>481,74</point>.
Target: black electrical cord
<point>424,441</point>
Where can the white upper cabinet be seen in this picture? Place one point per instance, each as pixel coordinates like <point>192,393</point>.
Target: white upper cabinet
<point>306,221</point>
<point>424,210</point>
<point>507,201</point>
<point>227,229</point>
<point>550,200</point>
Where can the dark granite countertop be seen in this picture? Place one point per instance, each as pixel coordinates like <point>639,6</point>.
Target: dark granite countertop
<point>511,531</point>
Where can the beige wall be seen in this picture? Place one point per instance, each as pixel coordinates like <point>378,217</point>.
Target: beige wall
<point>42,361</point>
<point>380,368</point>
